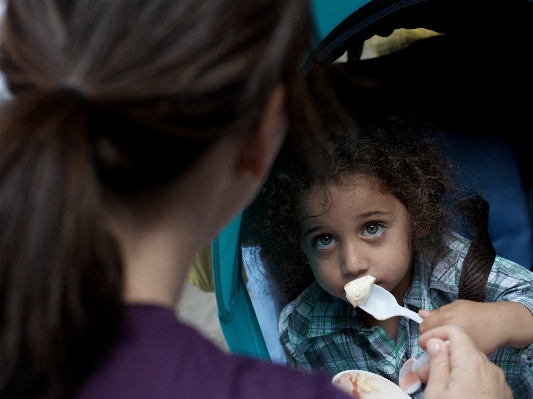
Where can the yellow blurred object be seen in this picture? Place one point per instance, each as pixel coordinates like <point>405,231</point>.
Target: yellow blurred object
<point>201,271</point>
<point>398,40</point>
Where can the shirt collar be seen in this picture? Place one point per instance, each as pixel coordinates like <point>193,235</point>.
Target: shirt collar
<point>443,276</point>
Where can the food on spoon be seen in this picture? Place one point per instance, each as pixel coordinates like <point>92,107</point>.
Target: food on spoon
<point>358,290</point>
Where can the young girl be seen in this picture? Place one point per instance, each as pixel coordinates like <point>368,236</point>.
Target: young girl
<point>379,210</point>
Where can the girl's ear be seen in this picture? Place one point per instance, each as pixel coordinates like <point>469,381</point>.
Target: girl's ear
<point>261,146</point>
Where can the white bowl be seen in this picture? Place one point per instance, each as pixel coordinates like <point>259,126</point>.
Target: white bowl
<point>366,385</point>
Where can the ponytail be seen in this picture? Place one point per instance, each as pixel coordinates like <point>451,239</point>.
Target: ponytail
<point>60,272</point>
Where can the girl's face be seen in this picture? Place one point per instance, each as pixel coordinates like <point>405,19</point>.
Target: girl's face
<point>360,230</point>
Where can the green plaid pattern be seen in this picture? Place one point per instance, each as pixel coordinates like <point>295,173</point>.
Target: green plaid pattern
<point>321,332</point>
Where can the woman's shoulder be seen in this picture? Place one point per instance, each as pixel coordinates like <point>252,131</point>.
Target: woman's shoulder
<point>158,356</point>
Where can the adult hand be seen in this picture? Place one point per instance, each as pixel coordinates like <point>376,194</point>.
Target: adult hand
<point>460,370</point>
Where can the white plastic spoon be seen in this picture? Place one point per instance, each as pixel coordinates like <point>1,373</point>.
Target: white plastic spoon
<point>382,305</point>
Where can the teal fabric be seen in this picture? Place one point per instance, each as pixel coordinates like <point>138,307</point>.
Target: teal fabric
<point>327,14</point>
<point>236,314</point>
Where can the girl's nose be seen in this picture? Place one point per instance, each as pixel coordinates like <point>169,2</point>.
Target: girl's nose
<point>353,261</point>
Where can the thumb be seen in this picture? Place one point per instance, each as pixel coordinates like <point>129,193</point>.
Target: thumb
<point>439,365</point>
<point>425,313</point>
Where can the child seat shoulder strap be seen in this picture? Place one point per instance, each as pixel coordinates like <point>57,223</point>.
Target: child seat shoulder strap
<point>481,253</point>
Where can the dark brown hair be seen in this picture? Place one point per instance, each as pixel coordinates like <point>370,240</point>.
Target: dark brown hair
<point>390,148</point>
<point>115,98</point>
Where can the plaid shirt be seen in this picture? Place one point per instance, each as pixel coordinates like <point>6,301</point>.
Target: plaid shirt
<point>322,332</point>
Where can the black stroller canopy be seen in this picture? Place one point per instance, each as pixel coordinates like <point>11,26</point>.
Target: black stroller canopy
<point>475,77</point>
<point>343,25</point>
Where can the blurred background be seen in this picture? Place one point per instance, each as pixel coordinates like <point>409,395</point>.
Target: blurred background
<point>199,309</point>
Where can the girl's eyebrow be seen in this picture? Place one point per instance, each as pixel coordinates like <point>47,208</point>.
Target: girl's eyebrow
<point>374,213</point>
<point>310,231</point>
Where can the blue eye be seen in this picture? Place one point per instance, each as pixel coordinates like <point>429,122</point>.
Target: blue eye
<point>373,230</point>
<point>324,241</point>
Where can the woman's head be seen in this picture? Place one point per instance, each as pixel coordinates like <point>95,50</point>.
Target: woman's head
<point>114,99</point>
<point>191,70</point>
<point>381,157</point>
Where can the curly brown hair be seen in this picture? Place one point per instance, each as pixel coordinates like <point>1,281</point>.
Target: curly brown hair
<point>391,149</point>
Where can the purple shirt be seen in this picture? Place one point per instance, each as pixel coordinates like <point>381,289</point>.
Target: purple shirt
<point>159,357</point>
